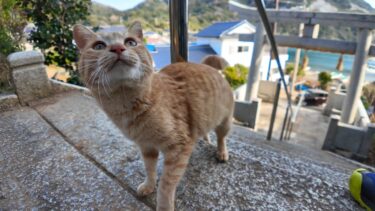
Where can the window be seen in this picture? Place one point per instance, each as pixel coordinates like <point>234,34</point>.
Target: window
<point>243,49</point>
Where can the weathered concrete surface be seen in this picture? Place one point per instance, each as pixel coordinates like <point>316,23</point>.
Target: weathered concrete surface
<point>29,76</point>
<point>39,170</point>
<point>259,176</point>
<point>8,101</point>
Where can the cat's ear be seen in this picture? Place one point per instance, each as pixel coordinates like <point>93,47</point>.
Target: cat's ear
<point>82,35</point>
<point>136,29</point>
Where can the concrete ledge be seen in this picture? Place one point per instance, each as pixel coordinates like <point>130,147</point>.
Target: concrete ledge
<point>248,112</point>
<point>59,87</point>
<point>349,140</point>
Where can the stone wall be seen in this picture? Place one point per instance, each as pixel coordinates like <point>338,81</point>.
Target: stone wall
<point>266,91</point>
<point>349,140</point>
<point>335,103</point>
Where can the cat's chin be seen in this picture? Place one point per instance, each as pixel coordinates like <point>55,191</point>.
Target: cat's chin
<point>124,74</point>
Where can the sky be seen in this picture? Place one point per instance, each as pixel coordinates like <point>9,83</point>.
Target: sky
<point>121,4</point>
<point>127,4</point>
<point>371,2</point>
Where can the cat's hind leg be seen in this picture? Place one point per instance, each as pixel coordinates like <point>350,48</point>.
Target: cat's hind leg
<point>221,133</point>
<point>150,159</point>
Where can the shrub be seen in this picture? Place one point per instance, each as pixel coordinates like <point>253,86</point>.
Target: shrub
<point>53,33</point>
<point>289,69</point>
<point>12,23</point>
<point>324,78</point>
<point>368,93</point>
<point>236,75</point>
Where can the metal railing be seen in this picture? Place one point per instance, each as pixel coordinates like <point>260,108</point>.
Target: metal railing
<point>275,52</point>
<point>178,13</point>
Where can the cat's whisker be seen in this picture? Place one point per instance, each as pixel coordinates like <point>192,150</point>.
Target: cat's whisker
<point>92,76</point>
<point>108,83</point>
<point>103,83</point>
<point>100,99</point>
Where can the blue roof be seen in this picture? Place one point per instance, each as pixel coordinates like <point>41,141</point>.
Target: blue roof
<point>217,29</point>
<point>162,56</point>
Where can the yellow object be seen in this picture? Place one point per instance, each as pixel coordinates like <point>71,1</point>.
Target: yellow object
<point>355,186</point>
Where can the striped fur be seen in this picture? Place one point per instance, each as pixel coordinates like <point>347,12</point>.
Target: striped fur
<point>162,112</point>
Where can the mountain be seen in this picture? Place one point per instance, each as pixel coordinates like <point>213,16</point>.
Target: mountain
<point>201,14</point>
<point>101,14</point>
<point>155,16</point>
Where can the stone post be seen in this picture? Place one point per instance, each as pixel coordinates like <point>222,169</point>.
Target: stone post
<point>29,76</point>
<point>368,143</point>
<point>329,142</point>
<point>256,61</point>
<point>357,76</point>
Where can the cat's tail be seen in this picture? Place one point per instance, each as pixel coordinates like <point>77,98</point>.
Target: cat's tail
<point>215,61</point>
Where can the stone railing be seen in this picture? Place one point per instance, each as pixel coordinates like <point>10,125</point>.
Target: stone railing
<point>335,103</point>
<point>30,78</point>
<point>349,140</point>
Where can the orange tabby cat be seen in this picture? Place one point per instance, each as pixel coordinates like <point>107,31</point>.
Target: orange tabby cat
<point>162,112</point>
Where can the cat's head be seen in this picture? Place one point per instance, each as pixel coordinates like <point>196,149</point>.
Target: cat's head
<point>109,61</point>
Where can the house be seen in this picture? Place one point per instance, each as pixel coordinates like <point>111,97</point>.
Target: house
<point>223,38</point>
<point>233,41</point>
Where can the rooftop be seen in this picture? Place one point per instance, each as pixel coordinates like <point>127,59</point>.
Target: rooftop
<point>219,29</point>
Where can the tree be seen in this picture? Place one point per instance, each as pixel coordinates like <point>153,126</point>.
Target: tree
<point>12,23</point>
<point>53,30</point>
<point>236,75</point>
<point>324,79</point>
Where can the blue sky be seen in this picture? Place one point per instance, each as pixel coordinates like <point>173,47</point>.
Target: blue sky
<point>371,2</point>
<point>120,4</point>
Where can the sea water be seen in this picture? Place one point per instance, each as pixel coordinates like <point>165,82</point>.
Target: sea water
<point>321,61</point>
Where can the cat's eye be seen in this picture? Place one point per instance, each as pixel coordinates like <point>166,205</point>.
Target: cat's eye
<point>99,46</point>
<point>130,42</point>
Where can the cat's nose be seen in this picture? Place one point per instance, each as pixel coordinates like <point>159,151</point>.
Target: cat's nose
<point>117,48</point>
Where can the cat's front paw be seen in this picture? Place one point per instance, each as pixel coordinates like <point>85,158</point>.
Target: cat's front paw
<point>222,156</point>
<point>145,189</point>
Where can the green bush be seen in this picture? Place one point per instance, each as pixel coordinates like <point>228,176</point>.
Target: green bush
<point>324,78</point>
<point>12,23</point>
<point>290,68</point>
<point>53,33</point>
<point>236,75</point>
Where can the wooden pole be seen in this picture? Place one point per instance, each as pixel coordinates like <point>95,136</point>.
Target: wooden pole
<point>357,76</point>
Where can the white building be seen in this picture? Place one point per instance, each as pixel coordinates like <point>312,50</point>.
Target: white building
<point>223,39</point>
<point>234,42</point>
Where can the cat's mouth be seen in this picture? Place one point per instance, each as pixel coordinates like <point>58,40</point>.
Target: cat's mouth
<point>131,61</point>
<point>123,61</point>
